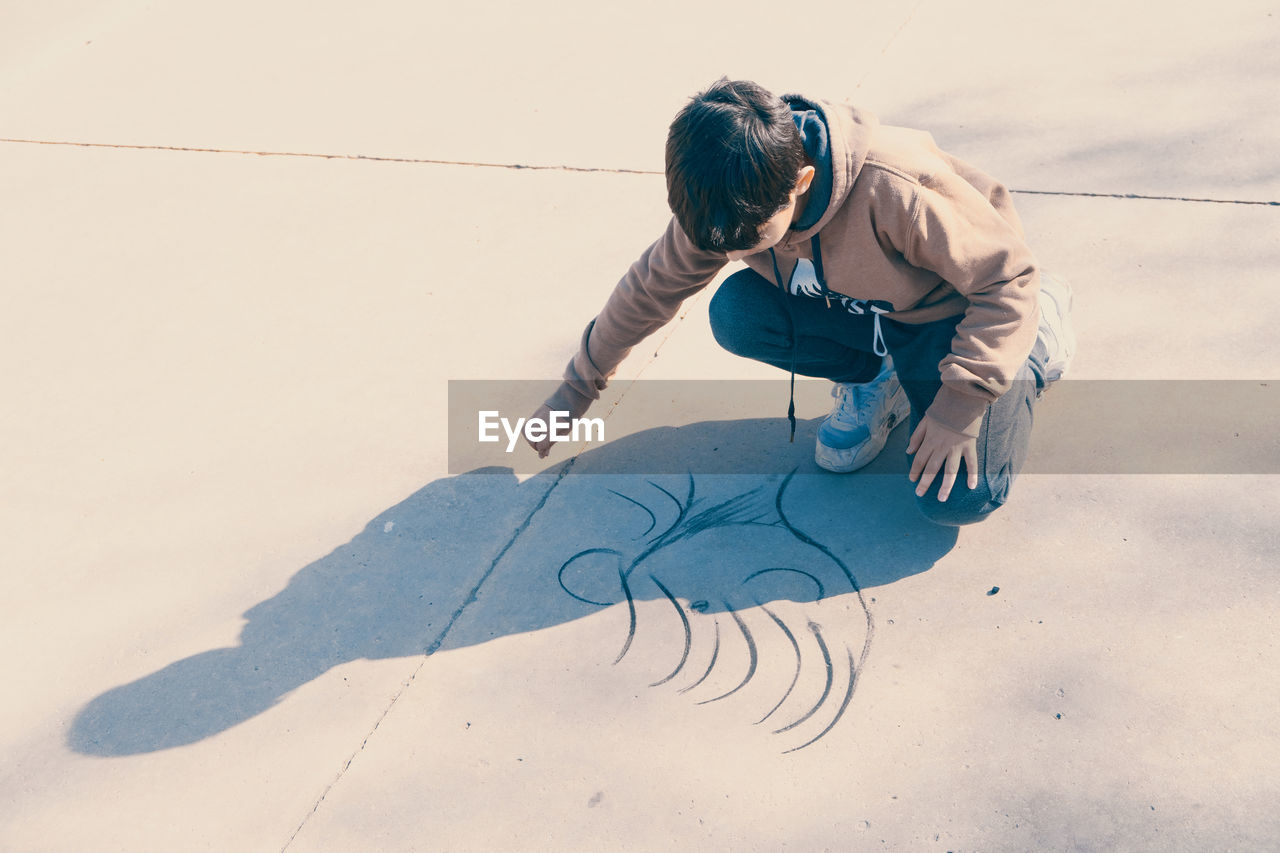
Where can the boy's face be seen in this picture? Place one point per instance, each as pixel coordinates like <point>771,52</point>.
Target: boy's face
<point>775,228</point>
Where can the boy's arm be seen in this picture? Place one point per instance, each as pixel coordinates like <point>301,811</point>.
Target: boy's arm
<point>955,231</point>
<point>644,300</point>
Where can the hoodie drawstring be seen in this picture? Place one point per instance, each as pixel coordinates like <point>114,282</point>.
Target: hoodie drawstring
<point>816,245</point>
<point>795,343</point>
<point>877,341</point>
<point>877,337</point>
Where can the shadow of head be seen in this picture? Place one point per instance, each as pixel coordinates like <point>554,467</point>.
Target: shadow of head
<point>478,556</point>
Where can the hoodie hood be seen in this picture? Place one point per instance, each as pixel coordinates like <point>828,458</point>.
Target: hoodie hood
<point>813,135</point>
<point>836,138</point>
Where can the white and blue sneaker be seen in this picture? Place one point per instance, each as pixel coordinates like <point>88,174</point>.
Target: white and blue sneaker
<point>1056,329</point>
<point>859,425</point>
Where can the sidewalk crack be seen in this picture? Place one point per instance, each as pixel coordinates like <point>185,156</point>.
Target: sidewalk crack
<point>431,649</point>
<point>316,155</point>
<point>425,161</point>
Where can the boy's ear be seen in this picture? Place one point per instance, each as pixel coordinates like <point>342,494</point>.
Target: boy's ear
<point>804,178</point>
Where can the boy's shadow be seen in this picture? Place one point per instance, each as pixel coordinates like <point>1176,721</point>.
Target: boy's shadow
<point>478,556</point>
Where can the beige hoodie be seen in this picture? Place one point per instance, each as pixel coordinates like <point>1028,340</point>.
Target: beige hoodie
<point>907,224</point>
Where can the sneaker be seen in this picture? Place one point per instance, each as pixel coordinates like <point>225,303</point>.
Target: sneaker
<point>859,425</point>
<point>1056,330</point>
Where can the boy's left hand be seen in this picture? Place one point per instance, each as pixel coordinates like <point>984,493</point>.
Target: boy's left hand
<point>938,447</point>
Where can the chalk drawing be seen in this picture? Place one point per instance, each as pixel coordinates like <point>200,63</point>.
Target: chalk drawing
<point>738,532</point>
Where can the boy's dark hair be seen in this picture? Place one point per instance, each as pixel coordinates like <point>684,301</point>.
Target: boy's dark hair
<point>733,154</point>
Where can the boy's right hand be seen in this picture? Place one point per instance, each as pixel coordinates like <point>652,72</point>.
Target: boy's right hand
<point>543,447</point>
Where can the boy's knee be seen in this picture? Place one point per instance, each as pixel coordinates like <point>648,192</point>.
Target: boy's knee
<point>948,514</point>
<point>962,506</point>
<point>735,317</point>
<point>725,327</point>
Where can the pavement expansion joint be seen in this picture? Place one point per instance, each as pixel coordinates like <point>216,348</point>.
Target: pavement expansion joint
<point>470,599</point>
<point>316,155</point>
<point>426,161</point>
<point>1148,197</point>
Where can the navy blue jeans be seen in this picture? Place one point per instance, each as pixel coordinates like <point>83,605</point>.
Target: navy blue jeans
<point>750,318</point>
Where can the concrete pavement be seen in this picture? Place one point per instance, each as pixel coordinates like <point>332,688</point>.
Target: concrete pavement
<point>251,608</point>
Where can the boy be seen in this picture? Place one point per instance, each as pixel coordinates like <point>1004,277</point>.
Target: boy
<point>875,260</point>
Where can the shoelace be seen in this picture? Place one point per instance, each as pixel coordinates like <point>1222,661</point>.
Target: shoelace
<point>859,403</point>
<point>845,405</point>
<point>864,401</point>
